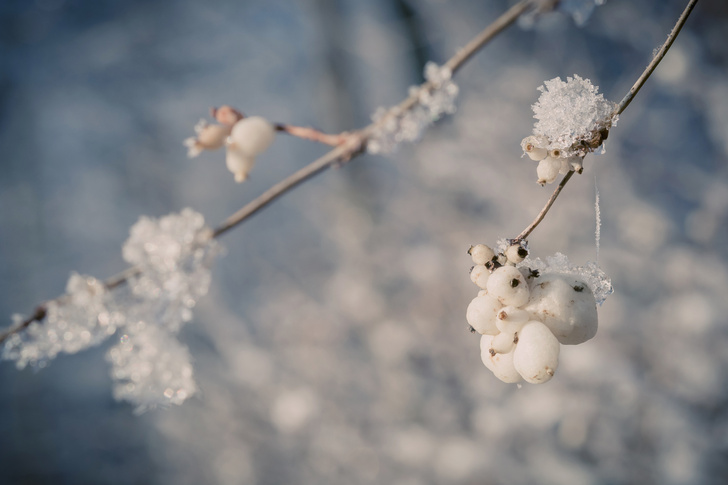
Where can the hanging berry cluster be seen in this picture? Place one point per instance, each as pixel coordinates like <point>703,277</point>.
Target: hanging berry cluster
<point>524,315</point>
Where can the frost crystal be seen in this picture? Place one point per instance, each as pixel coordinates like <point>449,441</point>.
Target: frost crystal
<point>73,324</point>
<point>570,114</point>
<point>172,257</point>
<point>580,10</point>
<point>434,99</point>
<point>599,283</point>
<point>150,367</point>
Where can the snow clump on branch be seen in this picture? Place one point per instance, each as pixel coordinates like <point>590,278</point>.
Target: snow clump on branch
<point>171,259</point>
<point>573,120</point>
<point>434,99</point>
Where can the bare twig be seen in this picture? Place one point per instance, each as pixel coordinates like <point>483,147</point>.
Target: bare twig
<point>313,134</point>
<point>523,235</point>
<point>658,57</point>
<point>348,145</point>
<point>620,108</point>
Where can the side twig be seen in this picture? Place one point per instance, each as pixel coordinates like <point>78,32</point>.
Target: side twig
<point>620,108</point>
<point>347,147</point>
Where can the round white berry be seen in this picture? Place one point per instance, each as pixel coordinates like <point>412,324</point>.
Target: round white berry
<point>516,253</point>
<point>503,342</point>
<point>533,147</point>
<point>252,135</point>
<point>548,170</point>
<point>566,305</point>
<point>480,275</point>
<point>509,286</point>
<point>501,365</point>
<point>212,136</point>
<point>481,253</point>
<point>536,355</point>
<point>481,314</point>
<point>239,163</point>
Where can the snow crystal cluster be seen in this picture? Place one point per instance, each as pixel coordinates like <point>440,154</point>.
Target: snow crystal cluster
<point>579,10</point>
<point>244,137</point>
<point>525,310</point>
<point>434,99</point>
<point>573,120</point>
<point>171,259</point>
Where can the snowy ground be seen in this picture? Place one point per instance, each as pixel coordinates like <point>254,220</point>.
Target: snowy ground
<point>332,347</point>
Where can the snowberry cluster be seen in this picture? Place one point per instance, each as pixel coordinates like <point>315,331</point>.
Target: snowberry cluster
<point>524,315</point>
<point>573,120</point>
<point>244,137</point>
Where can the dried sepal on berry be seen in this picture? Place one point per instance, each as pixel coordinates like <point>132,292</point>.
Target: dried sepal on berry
<point>210,136</point>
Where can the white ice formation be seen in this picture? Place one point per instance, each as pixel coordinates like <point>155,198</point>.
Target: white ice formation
<point>434,99</point>
<point>172,257</point>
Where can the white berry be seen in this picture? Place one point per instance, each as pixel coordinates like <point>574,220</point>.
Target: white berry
<point>565,305</point>
<point>509,286</point>
<point>501,365</point>
<point>548,170</point>
<point>516,253</point>
<point>533,147</point>
<point>251,136</point>
<point>480,275</point>
<point>481,253</point>
<point>481,314</point>
<point>536,355</point>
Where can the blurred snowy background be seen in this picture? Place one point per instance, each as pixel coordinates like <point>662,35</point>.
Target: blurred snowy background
<point>333,347</point>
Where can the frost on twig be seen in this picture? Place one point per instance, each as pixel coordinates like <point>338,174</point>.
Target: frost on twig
<point>172,257</point>
<point>433,99</point>
<point>573,120</point>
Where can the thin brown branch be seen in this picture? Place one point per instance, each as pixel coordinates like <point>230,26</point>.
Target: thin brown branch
<point>621,107</point>
<point>658,57</point>
<point>313,134</point>
<point>348,145</point>
<point>523,235</point>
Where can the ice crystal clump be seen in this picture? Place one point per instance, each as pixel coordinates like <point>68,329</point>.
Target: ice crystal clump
<point>174,255</point>
<point>580,10</point>
<point>150,367</point>
<point>433,101</point>
<point>598,282</point>
<point>78,321</point>
<point>571,114</point>
<point>171,258</point>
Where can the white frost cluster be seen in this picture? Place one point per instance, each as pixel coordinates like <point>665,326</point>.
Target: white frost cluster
<point>580,10</point>
<point>571,115</point>
<point>525,314</point>
<point>573,120</point>
<point>78,321</point>
<point>434,99</point>
<point>150,366</point>
<point>244,137</point>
